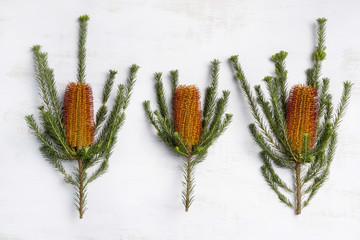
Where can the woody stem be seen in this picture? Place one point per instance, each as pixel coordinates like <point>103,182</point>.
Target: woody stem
<point>188,183</point>
<point>298,187</point>
<point>81,189</point>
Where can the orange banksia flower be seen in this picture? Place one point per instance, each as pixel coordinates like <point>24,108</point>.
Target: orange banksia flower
<point>301,115</point>
<point>187,114</point>
<point>79,115</point>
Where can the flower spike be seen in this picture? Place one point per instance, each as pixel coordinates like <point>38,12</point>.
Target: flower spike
<point>187,114</point>
<point>301,116</point>
<point>79,115</point>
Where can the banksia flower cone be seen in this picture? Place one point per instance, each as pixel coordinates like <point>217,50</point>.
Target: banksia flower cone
<point>79,115</point>
<point>301,116</point>
<point>187,114</point>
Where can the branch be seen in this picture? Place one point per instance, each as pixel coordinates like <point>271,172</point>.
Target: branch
<point>81,48</point>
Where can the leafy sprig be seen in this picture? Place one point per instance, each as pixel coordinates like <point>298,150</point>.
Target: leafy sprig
<point>52,134</point>
<point>214,123</point>
<point>311,167</point>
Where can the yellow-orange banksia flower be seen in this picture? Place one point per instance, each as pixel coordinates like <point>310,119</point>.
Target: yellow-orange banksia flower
<point>187,114</point>
<point>301,116</point>
<point>79,115</point>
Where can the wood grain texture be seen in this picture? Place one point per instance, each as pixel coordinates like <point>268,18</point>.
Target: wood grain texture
<point>140,196</point>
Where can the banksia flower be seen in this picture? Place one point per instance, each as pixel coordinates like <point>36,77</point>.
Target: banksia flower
<point>301,116</point>
<point>295,130</point>
<point>69,129</point>
<point>189,132</point>
<point>187,114</point>
<point>79,115</point>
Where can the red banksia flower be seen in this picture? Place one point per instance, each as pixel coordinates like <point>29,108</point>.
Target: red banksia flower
<point>187,114</point>
<point>79,115</point>
<point>301,116</point>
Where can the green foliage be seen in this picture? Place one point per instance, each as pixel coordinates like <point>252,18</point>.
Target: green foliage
<point>52,136</point>
<point>81,47</point>
<point>270,131</point>
<point>313,74</point>
<point>214,123</point>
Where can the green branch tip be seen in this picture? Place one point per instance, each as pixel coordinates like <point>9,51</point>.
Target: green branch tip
<point>84,18</point>
<point>280,56</point>
<point>157,75</point>
<point>348,84</point>
<point>146,105</point>
<point>228,116</point>
<point>234,58</point>
<point>134,67</point>
<point>226,93</point>
<point>215,62</point>
<point>36,48</point>
<point>113,72</point>
<point>321,20</point>
<point>267,78</point>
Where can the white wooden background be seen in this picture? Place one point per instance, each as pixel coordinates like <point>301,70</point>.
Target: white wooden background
<point>139,197</point>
